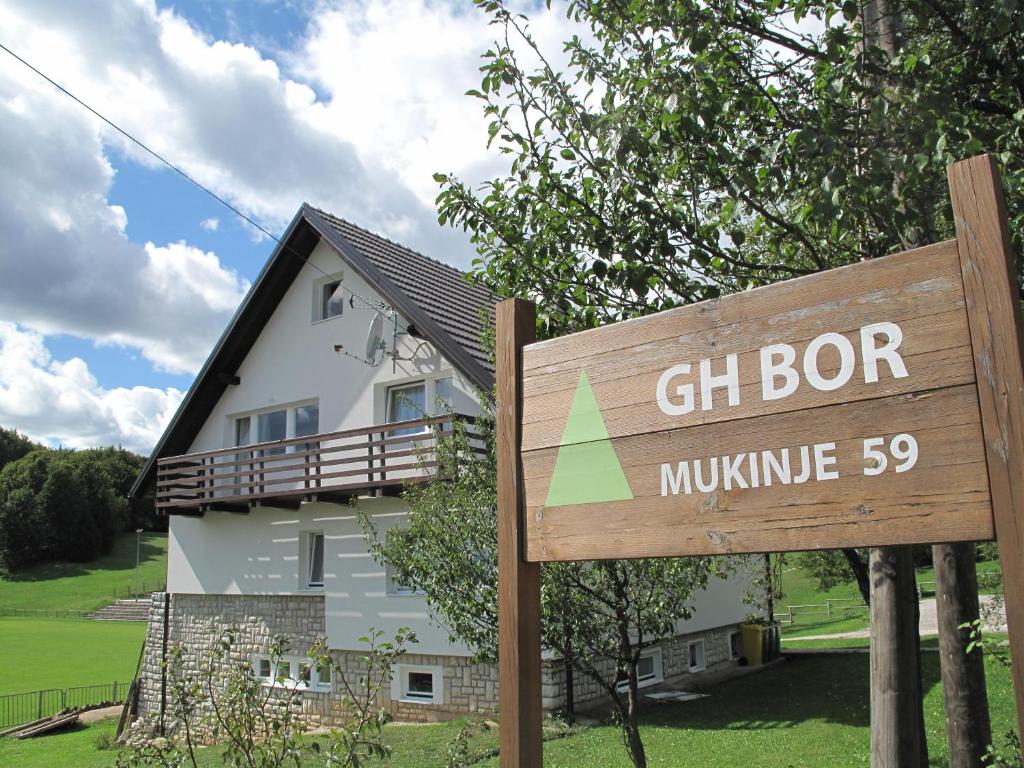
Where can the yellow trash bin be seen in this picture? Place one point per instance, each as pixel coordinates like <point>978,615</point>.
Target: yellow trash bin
<point>753,643</point>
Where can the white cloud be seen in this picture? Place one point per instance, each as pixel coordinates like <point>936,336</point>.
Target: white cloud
<point>211,224</point>
<point>397,71</point>
<point>60,402</point>
<point>388,110</point>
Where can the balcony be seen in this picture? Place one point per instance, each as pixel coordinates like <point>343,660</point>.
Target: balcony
<point>333,466</point>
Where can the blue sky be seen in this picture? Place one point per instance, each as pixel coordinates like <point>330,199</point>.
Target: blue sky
<point>116,274</point>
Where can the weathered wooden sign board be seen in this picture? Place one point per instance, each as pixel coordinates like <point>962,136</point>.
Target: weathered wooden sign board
<point>880,403</point>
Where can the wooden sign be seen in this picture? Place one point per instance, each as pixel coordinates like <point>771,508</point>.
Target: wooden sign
<point>876,404</point>
<point>835,410</point>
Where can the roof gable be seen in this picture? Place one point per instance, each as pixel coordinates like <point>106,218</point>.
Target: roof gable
<point>441,305</point>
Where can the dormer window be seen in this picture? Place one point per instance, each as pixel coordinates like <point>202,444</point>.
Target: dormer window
<point>328,298</point>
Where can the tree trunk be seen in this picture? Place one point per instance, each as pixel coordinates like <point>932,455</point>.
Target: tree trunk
<point>968,729</point>
<point>632,725</point>
<point>897,717</point>
<point>860,572</point>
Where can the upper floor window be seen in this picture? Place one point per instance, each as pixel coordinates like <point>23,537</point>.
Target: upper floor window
<point>416,400</point>
<point>329,298</point>
<point>280,424</point>
<point>406,403</point>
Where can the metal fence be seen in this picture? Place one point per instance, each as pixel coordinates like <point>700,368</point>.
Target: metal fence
<point>18,708</point>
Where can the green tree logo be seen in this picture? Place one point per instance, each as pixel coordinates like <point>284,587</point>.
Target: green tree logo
<point>587,470</point>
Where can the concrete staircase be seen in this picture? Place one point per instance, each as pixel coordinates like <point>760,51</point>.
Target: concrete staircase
<point>124,610</point>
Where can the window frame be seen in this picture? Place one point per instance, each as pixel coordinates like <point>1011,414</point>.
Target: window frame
<point>735,645</point>
<point>703,663</point>
<point>393,388</point>
<point>431,407</point>
<point>395,589</point>
<point>319,286</point>
<point>308,539</point>
<point>657,672</point>
<point>400,684</point>
<point>296,664</point>
<point>290,423</point>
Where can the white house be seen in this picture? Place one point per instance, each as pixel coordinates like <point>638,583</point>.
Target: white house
<point>314,396</point>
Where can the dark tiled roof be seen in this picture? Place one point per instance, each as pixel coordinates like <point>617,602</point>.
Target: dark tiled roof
<point>442,291</point>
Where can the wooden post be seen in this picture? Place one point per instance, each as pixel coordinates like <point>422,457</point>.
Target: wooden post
<point>993,310</point>
<point>968,728</point>
<point>519,668</point>
<point>896,717</point>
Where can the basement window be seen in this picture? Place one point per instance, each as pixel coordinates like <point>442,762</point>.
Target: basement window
<point>293,672</point>
<point>648,671</point>
<point>418,685</point>
<point>696,650</point>
<point>735,645</point>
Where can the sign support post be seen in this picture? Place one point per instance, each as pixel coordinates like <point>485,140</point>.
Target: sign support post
<point>993,311</point>
<point>519,661</point>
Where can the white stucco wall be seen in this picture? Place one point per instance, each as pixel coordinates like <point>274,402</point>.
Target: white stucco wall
<point>721,603</point>
<point>261,553</point>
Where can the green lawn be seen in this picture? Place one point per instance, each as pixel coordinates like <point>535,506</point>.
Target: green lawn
<point>811,711</point>
<point>800,588</point>
<point>87,586</point>
<point>62,653</point>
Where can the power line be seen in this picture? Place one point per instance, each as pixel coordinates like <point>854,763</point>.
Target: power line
<point>371,304</point>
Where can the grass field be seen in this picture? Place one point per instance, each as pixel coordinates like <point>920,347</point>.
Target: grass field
<point>61,653</point>
<point>87,586</point>
<point>800,588</point>
<point>811,711</point>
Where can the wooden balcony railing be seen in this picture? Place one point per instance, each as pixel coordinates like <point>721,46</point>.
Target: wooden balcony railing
<point>328,466</point>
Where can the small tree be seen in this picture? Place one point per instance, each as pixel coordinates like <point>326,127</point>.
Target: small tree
<point>261,726</point>
<point>599,616</point>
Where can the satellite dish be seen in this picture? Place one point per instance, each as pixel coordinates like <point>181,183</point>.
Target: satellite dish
<point>373,339</point>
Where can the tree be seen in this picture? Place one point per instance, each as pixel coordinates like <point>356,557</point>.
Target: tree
<point>221,700</point>
<point>600,617</point>
<point>708,146</point>
<point>831,567</point>
<point>66,505</point>
<point>13,445</point>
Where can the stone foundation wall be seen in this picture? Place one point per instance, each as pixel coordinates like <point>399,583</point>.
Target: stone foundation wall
<point>196,621</point>
<point>675,655</point>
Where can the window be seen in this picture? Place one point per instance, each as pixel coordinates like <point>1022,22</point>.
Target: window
<point>307,420</point>
<point>315,560</point>
<point>332,299</point>
<point>398,589</point>
<point>696,649</point>
<point>243,431</point>
<point>405,403</point>
<point>279,424</point>
<point>272,426</point>
<point>293,671</point>
<point>420,685</point>
<point>648,670</point>
<point>735,645</point>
